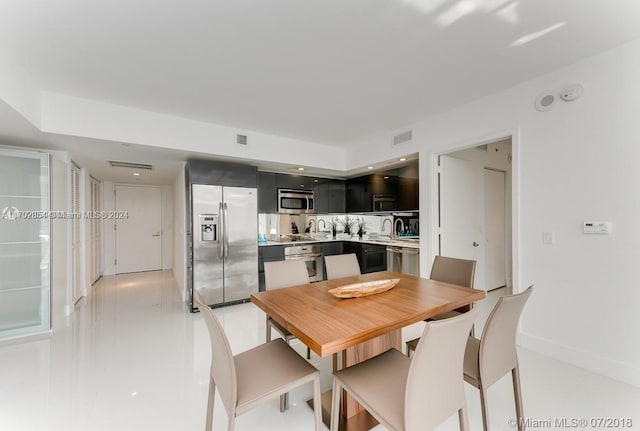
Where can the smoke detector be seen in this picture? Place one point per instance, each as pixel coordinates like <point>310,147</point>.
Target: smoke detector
<point>571,92</point>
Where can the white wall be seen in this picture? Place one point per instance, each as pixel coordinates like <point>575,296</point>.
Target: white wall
<point>82,117</point>
<point>179,230</point>
<point>167,227</point>
<point>574,163</point>
<point>108,235</point>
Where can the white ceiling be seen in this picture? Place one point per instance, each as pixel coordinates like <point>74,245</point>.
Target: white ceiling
<point>325,71</point>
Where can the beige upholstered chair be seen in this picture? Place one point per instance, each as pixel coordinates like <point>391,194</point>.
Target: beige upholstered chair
<point>341,265</point>
<point>412,394</point>
<point>249,378</point>
<point>285,273</point>
<point>494,355</point>
<point>450,270</point>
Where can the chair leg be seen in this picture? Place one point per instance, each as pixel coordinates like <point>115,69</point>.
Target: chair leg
<point>409,349</point>
<point>483,406</point>
<point>284,402</point>
<point>317,402</point>
<point>212,394</point>
<point>232,421</point>
<point>336,397</point>
<point>463,419</point>
<point>517,395</point>
<point>268,329</point>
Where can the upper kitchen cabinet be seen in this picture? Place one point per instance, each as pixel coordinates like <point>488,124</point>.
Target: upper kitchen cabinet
<point>287,181</point>
<point>329,196</point>
<point>267,193</point>
<point>391,190</point>
<point>218,173</point>
<point>359,196</point>
<point>408,188</point>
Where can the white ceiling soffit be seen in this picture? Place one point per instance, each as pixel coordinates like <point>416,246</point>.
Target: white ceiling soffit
<point>322,71</point>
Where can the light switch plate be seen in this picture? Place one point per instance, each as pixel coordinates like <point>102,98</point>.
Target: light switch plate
<point>596,227</point>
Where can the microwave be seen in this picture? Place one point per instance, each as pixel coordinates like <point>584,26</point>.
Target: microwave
<point>295,201</point>
<point>384,203</point>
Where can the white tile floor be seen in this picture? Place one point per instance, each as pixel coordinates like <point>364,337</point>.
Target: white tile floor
<point>132,358</point>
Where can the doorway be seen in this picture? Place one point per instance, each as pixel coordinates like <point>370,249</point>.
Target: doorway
<point>138,225</point>
<point>474,201</point>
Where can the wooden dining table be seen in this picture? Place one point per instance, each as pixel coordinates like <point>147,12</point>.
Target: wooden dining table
<point>361,327</point>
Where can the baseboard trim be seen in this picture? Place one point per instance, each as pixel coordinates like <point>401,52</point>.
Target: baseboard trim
<point>608,367</point>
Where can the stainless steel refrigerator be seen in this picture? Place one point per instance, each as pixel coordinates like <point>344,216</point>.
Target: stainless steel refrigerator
<point>224,232</point>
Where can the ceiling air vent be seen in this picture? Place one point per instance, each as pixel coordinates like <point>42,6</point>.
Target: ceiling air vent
<point>402,138</point>
<point>130,165</point>
<point>241,139</point>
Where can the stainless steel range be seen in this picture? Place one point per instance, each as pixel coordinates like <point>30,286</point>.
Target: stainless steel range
<point>312,257</point>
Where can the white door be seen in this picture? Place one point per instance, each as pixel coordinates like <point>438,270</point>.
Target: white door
<point>494,227</point>
<point>460,223</point>
<point>139,235</point>
<point>94,232</point>
<point>76,245</point>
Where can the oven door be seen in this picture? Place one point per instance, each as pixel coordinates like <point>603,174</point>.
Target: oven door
<point>313,262</point>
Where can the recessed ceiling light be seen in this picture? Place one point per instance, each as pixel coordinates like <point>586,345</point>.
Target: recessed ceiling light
<point>369,167</point>
<point>315,181</point>
<point>135,174</point>
<point>403,159</point>
<point>386,178</point>
<point>302,185</point>
<point>301,169</point>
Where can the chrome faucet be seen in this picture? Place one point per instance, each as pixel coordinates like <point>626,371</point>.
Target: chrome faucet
<point>324,225</point>
<point>390,226</point>
<point>395,226</point>
<point>314,225</point>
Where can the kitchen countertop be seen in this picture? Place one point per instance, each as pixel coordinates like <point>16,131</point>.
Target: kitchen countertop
<point>409,243</point>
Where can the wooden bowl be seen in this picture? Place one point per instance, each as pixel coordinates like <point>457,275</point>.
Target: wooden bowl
<point>366,288</point>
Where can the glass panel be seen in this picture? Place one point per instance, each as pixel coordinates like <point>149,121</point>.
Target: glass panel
<point>20,266</point>
<point>19,309</point>
<point>24,243</point>
<point>24,227</point>
<point>19,176</point>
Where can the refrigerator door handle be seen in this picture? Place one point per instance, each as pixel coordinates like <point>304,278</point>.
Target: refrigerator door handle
<point>221,224</point>
<point>226,231</point>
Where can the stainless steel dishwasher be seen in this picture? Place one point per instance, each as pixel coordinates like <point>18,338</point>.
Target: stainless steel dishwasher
<point>403,259</point>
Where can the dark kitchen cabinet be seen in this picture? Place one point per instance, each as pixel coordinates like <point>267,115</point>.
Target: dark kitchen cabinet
<point>385,183</point>
<point>329,196</point>
<point>298,182</point>
<point>267,193</point>
<point>221,173</point>
<point>270,253</point>
<point>321,196</point>
<point>408,194</point>
<point>359,197</point>
<point>408,187</point>
<point>337,196</point>
<point>371,257</point>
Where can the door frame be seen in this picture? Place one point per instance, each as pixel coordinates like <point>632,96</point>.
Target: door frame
<point>162,220</point>
<point>430,209</point>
